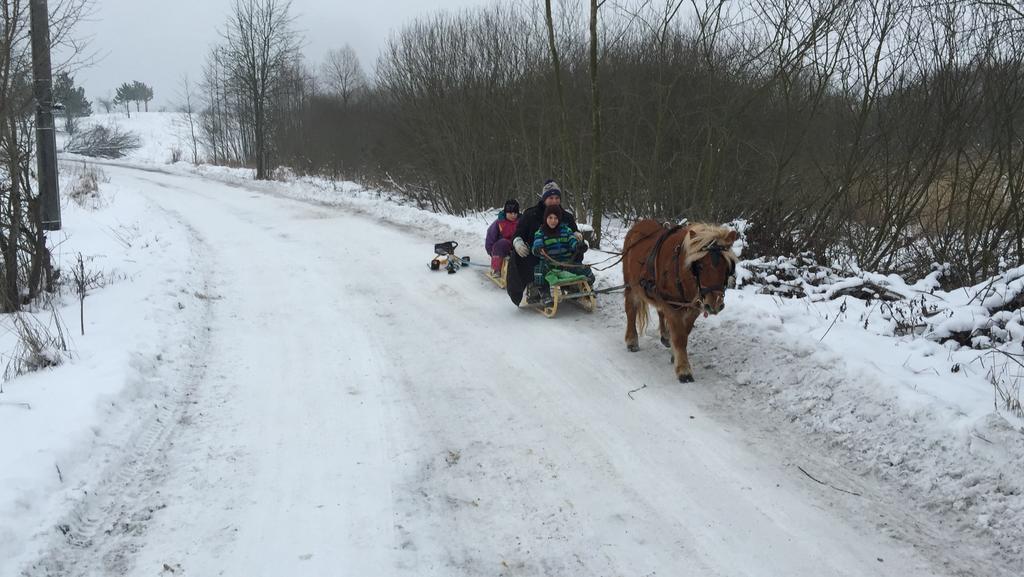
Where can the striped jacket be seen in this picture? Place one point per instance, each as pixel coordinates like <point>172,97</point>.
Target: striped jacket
<point>560,246</point>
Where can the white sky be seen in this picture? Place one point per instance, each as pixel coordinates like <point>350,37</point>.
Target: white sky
<point>157,42</point>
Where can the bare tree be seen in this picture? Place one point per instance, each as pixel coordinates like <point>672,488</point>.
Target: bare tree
<point>343,75</point>
<point>596,193</point>
<point>288,125</point>
<point>213,117</point>
<point>1013,10</point>
<point>881,134</point>
<point>563,117</point>
<point>260,45</point>
<point>189,118</point>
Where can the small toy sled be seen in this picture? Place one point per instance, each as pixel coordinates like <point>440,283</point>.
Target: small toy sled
<point>444,257</point>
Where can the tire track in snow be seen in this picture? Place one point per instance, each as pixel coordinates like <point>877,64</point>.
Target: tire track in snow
<point>106,525</point>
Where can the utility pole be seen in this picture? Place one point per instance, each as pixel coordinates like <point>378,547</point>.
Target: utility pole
<point>46,141</point>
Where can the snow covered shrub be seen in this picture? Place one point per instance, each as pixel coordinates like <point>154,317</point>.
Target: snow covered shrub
<point>85,185</point>
<point>284,174</point>
<point>40,345</point>
<point>993,314</point>
<point>176,154</point>
<point>103,142</point>
<point>1006,371</point>
<point>909,317</point>
<point>988,317</point>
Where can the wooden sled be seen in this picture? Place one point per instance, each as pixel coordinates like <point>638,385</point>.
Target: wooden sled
<point>578,292</point>
<point>501,281</point>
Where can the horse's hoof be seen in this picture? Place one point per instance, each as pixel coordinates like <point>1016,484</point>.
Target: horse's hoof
<point>665,342</point>
<point>633,348</point>
<point>685,378</point>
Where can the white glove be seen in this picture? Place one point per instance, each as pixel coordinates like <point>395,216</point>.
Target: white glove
<point>520,245</point>
<point>578,235</point>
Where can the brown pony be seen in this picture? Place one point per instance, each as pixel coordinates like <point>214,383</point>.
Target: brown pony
<point>682,271</point>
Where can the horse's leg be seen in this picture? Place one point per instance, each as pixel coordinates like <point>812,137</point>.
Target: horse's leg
<point>679,326</point>
<point>631,335</point>
<point>663,329</point>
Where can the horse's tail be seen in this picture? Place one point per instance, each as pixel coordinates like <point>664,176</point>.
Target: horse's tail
<point>642,315</point>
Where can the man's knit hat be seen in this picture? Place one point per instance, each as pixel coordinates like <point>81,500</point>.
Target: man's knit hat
<point>550,189</point>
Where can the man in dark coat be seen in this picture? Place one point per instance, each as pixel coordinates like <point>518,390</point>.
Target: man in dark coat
<point>522,263</point>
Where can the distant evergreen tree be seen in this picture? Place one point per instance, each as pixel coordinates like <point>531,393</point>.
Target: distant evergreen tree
<point>72,97</point>
<point>137,92</point>
<point>143,92</point>
<point>124,95</point>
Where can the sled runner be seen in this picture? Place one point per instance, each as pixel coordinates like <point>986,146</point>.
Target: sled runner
<point>502,279</point>
<point>568,287</point>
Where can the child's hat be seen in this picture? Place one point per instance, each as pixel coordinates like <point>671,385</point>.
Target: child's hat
<point>512,205</point>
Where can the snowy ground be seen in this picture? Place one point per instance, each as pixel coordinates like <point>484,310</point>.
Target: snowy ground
<point>273,383</point>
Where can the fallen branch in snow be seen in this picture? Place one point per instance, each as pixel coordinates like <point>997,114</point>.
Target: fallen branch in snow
<point>868,291</point>
<point>103,142</point>
<point>984,291</point>
<point>119,237</point>
<point>630,393</point>
<point>975,434</point>
<point>59,474</point>
<point>22,405</point>
<point>811,477</point>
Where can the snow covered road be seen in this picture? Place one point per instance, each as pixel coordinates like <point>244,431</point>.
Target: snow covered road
<point>355,414</point>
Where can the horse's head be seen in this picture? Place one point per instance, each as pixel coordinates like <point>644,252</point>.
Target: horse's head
<point>712,263</point>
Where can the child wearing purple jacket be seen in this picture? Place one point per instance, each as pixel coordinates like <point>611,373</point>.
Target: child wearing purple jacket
<point>499,235</point>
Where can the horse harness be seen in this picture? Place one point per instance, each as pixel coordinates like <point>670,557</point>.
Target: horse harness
<point>648,280</point>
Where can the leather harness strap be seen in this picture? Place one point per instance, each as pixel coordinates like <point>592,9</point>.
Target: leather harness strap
<point>652,257</point>
<point>649,280</point>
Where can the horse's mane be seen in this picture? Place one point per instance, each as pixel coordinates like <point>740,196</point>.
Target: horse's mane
<point>706,235</point>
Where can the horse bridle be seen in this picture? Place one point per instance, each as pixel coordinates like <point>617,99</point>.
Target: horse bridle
<point>715,250</point>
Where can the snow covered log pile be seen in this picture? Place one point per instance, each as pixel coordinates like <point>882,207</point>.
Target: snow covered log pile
<point>982,316</point>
